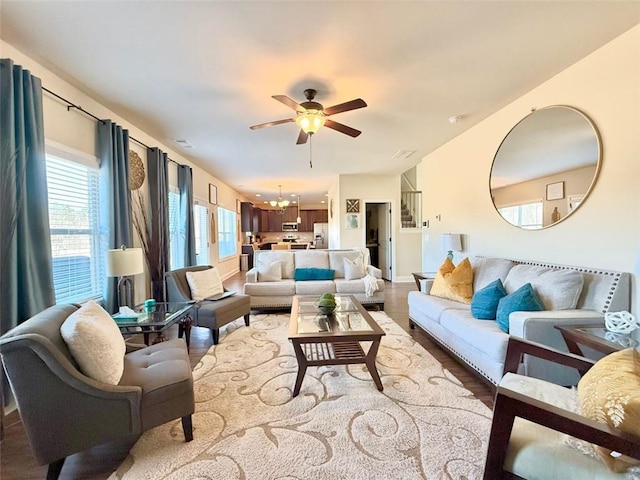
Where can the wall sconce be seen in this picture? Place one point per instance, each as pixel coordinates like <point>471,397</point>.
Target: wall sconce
<point>124,262</point>
<point>450,242</point>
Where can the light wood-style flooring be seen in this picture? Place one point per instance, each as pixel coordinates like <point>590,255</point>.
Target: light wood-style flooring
<point>17,462</point>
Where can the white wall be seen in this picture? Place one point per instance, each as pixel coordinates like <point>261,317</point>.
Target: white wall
<point>78,131</point>
<point>377,189</point>
<point>605,231</point>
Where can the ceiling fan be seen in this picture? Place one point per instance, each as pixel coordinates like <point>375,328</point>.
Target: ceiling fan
<point>312,115</point>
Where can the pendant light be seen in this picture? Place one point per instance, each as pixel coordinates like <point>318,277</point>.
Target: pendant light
<point>298,219</point>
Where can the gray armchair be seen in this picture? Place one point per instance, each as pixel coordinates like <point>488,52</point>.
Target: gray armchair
<point>64,412</point>
<point>209,314</point>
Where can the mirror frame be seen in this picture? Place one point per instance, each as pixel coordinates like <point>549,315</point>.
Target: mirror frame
<point>596,174</point>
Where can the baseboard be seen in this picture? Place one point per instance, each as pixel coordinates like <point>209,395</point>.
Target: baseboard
<point>404,279</point>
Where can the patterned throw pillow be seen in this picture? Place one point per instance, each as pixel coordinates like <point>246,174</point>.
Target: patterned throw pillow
<point>95,342</point>
<point>522,300</point>
<point>454,283</point>
<point>484,304</point>
<point>610,393</point>
<point>204,283</point>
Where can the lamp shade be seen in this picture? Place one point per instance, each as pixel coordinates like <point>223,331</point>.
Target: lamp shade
<point>451,241</point>
<point>122,262</point>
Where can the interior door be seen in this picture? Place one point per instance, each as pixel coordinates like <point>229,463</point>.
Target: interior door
<point>384,239</point>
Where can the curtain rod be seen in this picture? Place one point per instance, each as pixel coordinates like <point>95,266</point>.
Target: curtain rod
<point>71,105</point>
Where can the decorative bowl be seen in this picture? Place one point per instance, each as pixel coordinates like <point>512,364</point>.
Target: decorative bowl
<point>326,310</point>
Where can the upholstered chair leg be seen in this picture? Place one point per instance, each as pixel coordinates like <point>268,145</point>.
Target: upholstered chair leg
<point>187,428</point>
<point>246,319</point>
<point>215,332</point>
<point>54,469</point>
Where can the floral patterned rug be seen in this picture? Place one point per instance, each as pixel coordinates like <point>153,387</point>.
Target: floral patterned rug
<point>424,425</point>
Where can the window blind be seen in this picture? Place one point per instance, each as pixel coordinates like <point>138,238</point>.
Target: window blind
<point>227,243</point>
<point>201,226</point>
<point>78,263</point>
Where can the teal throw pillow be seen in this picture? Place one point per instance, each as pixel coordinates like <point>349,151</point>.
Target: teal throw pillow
<point>522,300</point>
<point>302,274</point>
<point>484,304</point>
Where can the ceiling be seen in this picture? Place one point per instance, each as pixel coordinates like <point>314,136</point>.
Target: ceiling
<point>205,71</point>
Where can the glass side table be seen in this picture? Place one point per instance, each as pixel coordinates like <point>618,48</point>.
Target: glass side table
<point>596,337</point>
<point>163,316</point>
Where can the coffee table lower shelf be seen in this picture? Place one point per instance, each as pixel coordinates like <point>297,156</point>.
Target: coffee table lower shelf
<point>334,353</point>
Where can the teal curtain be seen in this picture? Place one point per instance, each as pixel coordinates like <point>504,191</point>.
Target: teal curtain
<point>157,166</point>
<point>115,201</point>
<point>185,185</point>
<point>26,278</point>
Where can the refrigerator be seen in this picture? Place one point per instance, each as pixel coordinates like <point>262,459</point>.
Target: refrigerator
<point>321,235</point>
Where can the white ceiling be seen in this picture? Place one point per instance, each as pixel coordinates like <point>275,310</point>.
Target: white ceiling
<point>205,71</point>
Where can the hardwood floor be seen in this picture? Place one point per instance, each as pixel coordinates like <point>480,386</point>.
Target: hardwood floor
<point>17,462</point>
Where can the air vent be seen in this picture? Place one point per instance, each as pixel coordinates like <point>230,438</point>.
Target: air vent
<point>184,143</point>
<point>404,153</point>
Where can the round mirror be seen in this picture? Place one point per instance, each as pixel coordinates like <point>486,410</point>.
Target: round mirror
<point>545,167</point>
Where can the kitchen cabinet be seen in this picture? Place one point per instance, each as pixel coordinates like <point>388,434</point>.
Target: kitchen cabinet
<point>264,221</point>
<point>246,217</point>
<point>275,221</point>
<point>256,220</point>
<point>290,214</point>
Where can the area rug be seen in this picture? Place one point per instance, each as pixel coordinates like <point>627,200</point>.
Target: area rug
<point>424,425</point>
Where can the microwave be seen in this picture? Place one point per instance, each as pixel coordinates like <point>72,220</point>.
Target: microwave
<point>289,227</point>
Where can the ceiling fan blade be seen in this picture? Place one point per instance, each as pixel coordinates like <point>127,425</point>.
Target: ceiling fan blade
<point>271,124</point>
<point>345,107</point>
<point>289,102</point>
<point>352,132</point>
<point>302,138</point>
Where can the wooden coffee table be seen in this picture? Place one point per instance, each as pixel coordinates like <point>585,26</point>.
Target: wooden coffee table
<point>333,339</point>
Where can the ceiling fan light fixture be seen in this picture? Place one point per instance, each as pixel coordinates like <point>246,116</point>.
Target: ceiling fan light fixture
<point>310,121</point>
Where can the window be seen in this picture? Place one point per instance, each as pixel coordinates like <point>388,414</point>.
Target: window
<point>227,244</point>
<point>177,235</point>
<point>176,241</point>
<point>78,262</point>
<point>201,226</point>
<point>526,215</point>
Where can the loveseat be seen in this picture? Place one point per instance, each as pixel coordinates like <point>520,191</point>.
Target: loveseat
<point>271,283</point>
<point>482,344</point>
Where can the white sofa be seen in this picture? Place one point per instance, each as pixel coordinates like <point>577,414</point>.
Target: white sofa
<point>279,294</point>
<point>481,344</point>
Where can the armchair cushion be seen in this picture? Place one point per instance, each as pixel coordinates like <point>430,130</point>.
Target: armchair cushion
<point>94,340</point>
<point>610,393</point>
<point>204,283</point>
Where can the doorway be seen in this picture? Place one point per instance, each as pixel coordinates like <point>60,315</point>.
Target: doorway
<point>378,236</point>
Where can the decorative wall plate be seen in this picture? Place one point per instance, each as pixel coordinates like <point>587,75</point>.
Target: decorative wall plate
<point>136,171</point>
<point>353,206</point>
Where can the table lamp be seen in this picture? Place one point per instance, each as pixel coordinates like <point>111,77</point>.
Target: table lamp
<point>451,242</point>
<point>124,262</point>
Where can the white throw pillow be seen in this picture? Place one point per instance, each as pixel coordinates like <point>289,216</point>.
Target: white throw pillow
<point>204,284</point>
<point>353,269</point>
<point>95,342</point>
<point>557,289</point>
<point>271,272</point>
